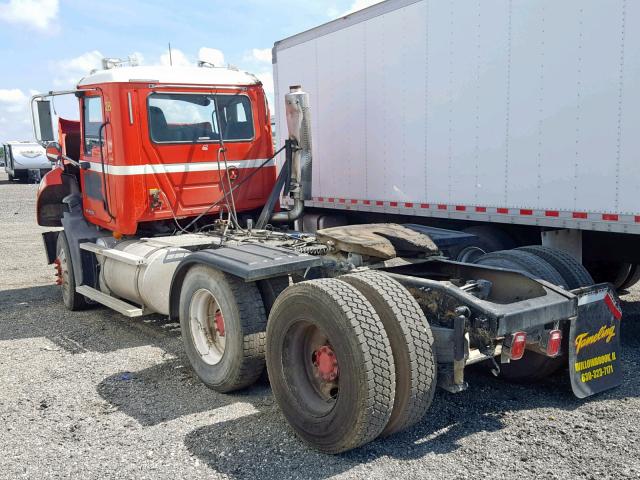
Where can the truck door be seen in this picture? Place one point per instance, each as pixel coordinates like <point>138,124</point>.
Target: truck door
<point>94,176</point>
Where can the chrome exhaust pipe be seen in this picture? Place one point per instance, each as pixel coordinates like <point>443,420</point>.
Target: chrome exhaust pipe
<point>299,127</point>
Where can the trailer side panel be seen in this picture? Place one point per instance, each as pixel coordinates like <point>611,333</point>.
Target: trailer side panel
<point>519,112</point>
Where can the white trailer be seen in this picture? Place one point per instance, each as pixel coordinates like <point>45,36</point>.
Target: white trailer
<point>509,112</point>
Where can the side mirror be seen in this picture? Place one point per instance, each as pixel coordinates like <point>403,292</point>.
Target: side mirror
<point>44,127</point>
<point>54,152</point>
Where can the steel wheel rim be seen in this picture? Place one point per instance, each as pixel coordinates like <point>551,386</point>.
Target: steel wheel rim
<point>470,254</point>
<point>206,323</point>
<point>316,387</point>
<point>64,276</point>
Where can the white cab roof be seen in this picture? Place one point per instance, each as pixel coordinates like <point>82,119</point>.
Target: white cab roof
<point>171,75</point>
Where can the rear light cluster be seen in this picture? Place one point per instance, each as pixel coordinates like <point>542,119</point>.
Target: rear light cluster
<point>516,344</point>
<point>554,341</point>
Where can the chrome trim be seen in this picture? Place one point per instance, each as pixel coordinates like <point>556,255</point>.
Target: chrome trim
<point>130,108</point>
<point>41,96</point>
<point>71,161</point>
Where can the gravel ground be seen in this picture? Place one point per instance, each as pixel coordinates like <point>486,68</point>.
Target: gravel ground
<point>95,395</point>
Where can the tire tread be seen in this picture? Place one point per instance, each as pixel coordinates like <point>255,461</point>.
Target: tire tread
<point>574,274</point>
<point>254,326</point>
<point>368,332</point>
<point>418,339</point>
<point>525,262</point>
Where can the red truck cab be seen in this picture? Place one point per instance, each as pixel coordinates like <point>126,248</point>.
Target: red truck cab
<point>162,143</point>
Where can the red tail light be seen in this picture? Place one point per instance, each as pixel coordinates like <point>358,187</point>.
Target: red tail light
<point>554,343</point>
<point>518,344</point>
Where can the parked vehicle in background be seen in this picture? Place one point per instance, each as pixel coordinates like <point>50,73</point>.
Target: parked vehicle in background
<point>516,122</point>
<point>24,160</point>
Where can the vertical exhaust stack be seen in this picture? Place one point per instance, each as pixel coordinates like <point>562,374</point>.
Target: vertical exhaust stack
<point>299,126</point>
<point>299,151</point>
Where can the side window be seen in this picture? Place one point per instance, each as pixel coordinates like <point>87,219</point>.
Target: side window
<point>182,118</point>
<point>92,120</point>
<point>188,118</point>
<point>236,116</point>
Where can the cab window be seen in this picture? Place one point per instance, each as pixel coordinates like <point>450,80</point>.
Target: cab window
<point>92,120</point>
<point>192,118</point>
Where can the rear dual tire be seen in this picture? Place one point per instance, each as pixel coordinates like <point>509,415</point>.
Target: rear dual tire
<point>551,265</point>
<point>350,359</point>
<point>524,262</point>
<point>622,275</point>
<point>573,272</point>
<point>223,325</point>
<point>411,342</point>
<point>632,278</point>
<point>330,364</point>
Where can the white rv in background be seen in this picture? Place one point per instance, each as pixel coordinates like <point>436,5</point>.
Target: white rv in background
<point>24,160</point>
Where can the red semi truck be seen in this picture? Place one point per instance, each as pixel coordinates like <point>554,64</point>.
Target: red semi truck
<point>165,196</point>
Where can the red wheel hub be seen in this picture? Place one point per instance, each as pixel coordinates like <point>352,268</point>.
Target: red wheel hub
<point>58,267</point>
<point>219,321</point>
<point>326,363</point>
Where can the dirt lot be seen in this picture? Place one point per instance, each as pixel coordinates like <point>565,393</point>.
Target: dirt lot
<point>95,395</point>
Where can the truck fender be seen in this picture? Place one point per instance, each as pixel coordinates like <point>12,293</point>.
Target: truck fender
<point>176,286</point>
<point>53,188</point>
<point>250,262</point>
<point>203,257</point>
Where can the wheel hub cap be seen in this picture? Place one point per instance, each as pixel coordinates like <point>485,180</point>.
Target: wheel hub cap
<point>325,363</point>
<point>207,326</point>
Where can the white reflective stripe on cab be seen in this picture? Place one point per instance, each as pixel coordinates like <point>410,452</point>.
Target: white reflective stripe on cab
<point>148,169</point>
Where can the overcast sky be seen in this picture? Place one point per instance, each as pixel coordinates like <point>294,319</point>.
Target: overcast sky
<point>50,44</point>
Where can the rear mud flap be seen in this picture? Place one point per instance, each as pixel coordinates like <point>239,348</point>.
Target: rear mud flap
<point>594,342</point>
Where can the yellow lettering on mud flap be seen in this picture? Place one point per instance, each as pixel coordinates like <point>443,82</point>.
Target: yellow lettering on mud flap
<point>605,333</point>
<point>595,361</point>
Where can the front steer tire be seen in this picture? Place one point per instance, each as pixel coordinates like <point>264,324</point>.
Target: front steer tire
<point>72,300</point>
<point>331,318</point>
<point>241,360</point>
